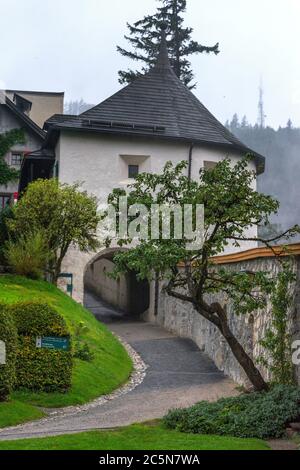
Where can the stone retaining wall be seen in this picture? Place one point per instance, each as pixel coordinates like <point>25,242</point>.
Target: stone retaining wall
<point>182,319</point>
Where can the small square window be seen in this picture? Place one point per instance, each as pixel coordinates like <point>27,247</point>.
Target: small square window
<point>133,171</point>
<point>16,159</point>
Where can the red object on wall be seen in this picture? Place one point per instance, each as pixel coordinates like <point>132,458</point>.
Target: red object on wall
<point>16,196</point>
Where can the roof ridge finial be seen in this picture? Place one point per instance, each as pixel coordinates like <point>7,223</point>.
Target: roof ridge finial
<point>163,56</point>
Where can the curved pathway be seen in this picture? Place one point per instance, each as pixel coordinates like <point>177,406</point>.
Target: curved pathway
<point>178,375</point>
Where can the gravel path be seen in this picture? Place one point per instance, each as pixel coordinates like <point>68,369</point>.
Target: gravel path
<point>178,375</point>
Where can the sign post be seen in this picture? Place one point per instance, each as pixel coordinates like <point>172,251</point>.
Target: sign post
<point>52,342</point>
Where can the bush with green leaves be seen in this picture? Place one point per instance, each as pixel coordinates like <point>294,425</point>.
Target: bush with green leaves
<point>36,368</point>
<point>5,215</point>
<point>259,414</point>
<point>28,255</point>
<point>65,214</point>
<point>8,335</point>
<point>277,340</point>
<point>231,208</point>
<point>81,349</point>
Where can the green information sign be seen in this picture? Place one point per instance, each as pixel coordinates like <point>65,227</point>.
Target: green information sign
<point>52,342</point>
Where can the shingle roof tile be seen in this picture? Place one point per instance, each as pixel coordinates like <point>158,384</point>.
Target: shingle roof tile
<point>157,98</point>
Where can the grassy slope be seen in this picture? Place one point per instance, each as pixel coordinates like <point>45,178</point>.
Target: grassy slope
<point>136,437</point>
<point>16,412</point>
<point>111,365</point>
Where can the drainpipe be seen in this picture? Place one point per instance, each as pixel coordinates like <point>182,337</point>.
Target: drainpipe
<point>190,161</point>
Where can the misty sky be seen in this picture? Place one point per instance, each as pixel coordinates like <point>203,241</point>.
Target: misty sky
<point>70,45</point>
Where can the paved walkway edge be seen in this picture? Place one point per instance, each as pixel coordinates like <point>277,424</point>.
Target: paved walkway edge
<point>136,378</point>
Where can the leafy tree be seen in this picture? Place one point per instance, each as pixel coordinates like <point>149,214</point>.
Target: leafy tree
<point>63,213</point>
<point>144,36</point>
<point>7,141</point>
<point>231,206</point>
<point>270,231</point>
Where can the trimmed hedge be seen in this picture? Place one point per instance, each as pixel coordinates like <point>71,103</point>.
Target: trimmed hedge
<point>40,369</point>
<point>262,415</point>
<point>8,334</point>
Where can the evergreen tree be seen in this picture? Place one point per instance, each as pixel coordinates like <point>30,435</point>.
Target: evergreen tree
<point>234,124</point>
<point>281,176</point>
<point>144,37</point>
<point>244,122</point>
<point>77,107</point>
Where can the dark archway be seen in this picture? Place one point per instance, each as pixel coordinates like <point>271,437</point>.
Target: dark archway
<point>126,294</point>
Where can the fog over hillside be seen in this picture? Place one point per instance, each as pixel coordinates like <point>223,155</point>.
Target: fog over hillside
<point>282,174</point>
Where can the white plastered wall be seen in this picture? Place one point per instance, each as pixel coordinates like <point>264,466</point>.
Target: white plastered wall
<point>99,162</point>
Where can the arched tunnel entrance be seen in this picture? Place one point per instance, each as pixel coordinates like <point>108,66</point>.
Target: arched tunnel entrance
<point>127,294</point>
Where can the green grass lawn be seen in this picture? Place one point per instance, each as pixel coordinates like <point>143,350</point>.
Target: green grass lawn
<point>136,437</point>
<point>109,369</point>
<point>16,412</point>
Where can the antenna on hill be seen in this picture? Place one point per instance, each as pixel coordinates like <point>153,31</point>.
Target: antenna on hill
<point>261,111</point>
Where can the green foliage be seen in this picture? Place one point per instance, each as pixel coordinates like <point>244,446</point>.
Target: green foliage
<point>81,349</point>
<point>14,412</point>
<point>28,255</point>
<point>83,352</point>
<point>7,141</point>
<point>150,436</point>
<point>8,334</point>
<point>40,369</point>
<point>262,415</point>
<point>111,365</point>
<point>145,35</point>
<point>64,214</point>
<point>5,215</point>
<point>277,341</point>
<point>231,208</point>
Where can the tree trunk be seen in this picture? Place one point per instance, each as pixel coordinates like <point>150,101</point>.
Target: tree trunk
<point>56,274</point>
<point>217,315</point>
<point>244,359</point>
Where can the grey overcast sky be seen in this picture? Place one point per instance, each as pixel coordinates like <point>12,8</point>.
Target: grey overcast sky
<point>70,45</point>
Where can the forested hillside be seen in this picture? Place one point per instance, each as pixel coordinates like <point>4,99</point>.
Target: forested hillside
<point>281,178</point>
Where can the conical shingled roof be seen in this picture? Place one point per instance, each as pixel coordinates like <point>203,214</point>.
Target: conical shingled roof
<point>156,103</point>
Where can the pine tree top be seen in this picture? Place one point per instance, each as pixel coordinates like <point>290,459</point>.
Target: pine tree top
<point>144,39</point>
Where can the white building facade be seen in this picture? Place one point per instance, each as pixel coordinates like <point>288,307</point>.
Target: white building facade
<point>151,121</point>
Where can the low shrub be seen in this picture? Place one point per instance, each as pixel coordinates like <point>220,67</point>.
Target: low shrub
<point>260,414</point>
<point>8,335</point>
<point>28,255</point>
<point>83,352</point>
<point>36,368</point>
<point>81,349</point>
<point>6,214</point>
